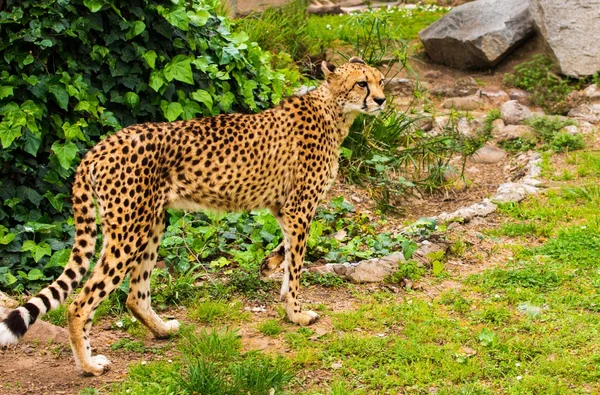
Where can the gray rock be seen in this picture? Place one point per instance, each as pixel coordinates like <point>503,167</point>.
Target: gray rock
<point>497,127</point>
<point>461,88</point>
<point>478,34</point>
<point>433,74</point>
<point>586,112</point>
<point>468,103</point>
<point>466,214</point>
<point>495,97</point>
<point>592,93</point>
<point>570,29</point>
<point>520,95</point>
<point>375,270</point>
<point>513,113</point>
<point>399,87</point>
<point>571,129</point>
<point>513,132</point>
<point>513,192</point>
<point>488,155</point>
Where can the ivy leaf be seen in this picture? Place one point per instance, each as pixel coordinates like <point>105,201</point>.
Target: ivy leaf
<point>38,251</point>
<point>73,131</point>
<point>6,91</point>
<point>149,57</point>
<point>132,99</point>
<point>56,200</point>
<point>203,97</point>
<point>172,110</point>
<point>65,153</point>
<point>157,80</point>
<point>8,134</point>
<point>198,18</point>
<point>190,109</point>
<point>35,274</point>
<point>176,17</point>
<point>59,258</point>
<point>136,29</point>
<point>26,193</point>
<point>180,68</point>
<point>61,96</point>
<point>7,238</point>
<point>28,59</point>
<point>32,142</point>
<point>93,5</point>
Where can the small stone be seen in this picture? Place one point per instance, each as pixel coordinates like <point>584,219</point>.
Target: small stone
<point>571,129</point>
<point>356,198</point>
<point>592,93</point>
<point>482,209</point>
<point>433,74</point>
<point>463,126</point>
<point>495,97</point>
<point>467,103</point>
<point>520,95</point>
<point>514,113</point>
<point>587,112</point>
<point>340,235</point>
<point>513,132</point>
<point>497,126</point>
<point>488,155</point>
<point>336,365</point>
<point>399,87</point>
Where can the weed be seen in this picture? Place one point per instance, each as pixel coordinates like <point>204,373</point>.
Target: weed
<point>564,141</point>
<point>270,327</point>
<point>411,270</point>
<point>58,316</point>
<point>129,345</point>
<point>548,90</point>
<point>327,280</point>
<point>212,312</point>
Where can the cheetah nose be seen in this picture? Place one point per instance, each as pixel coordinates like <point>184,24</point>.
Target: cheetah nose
<point>379,100</point>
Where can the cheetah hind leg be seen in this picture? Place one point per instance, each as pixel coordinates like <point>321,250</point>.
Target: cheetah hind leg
<point>138,300</point>
<point>273,263</point>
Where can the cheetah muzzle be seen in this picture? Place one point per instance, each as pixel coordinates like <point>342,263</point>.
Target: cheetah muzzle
<point>282,159</point>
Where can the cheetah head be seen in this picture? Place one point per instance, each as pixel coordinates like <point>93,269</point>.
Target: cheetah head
<point>356,86</point>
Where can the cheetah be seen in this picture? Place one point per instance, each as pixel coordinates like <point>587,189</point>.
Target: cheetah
<point>282,159</point>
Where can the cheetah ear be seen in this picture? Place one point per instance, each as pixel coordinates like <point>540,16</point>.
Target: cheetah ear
<point>355,59</point>
<point>327,68</point>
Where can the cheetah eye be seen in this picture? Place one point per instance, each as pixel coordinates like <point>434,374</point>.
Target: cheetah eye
<point>362,84</point>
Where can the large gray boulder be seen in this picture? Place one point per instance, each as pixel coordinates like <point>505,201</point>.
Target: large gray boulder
<point>478,34</point>
<point>571,31</point>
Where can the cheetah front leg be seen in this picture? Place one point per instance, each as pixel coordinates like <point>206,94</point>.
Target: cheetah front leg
<point>295,223</point>
<point>273,263</point>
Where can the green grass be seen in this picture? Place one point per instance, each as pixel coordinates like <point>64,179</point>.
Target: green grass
<point>213,312</point>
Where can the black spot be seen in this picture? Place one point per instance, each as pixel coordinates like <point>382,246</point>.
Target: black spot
<point>63,285</point>
<point>116,280</point>
<point>70,273</point>
<point>55,293</point>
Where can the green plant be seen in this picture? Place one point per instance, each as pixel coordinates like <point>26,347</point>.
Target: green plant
<point>270,327</point>
<point>327,280</point>
<point>411,270</point>
<point>564,141</point>
<point>74,71</point>
<point>548,89</point>
<point>211,312</point>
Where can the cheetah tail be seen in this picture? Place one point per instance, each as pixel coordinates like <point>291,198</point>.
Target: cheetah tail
<point>14,326</point>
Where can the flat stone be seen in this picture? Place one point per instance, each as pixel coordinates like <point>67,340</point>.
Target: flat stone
<point>488,154</point>
<point>494,97</point>
<point>513,192</point>
<point>497,126</point>
<point>587,112</point>
<point>468,103</point>
<point>375,270</point>
<point>513,132</point>
<point>570,29</point>
<point>514,113</point>
<point>592,93</point>
<point>433,74</point>
<point>478,34</point>
<point>461,88</point>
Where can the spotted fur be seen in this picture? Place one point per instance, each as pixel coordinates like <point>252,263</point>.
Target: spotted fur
<point>282,159</point>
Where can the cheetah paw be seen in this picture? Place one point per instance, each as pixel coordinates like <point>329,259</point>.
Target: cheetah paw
<point>173,326</point>
<point>98,365</point>
<point>306,318</point>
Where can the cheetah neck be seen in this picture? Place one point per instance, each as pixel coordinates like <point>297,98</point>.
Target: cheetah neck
<point>341,119</point>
